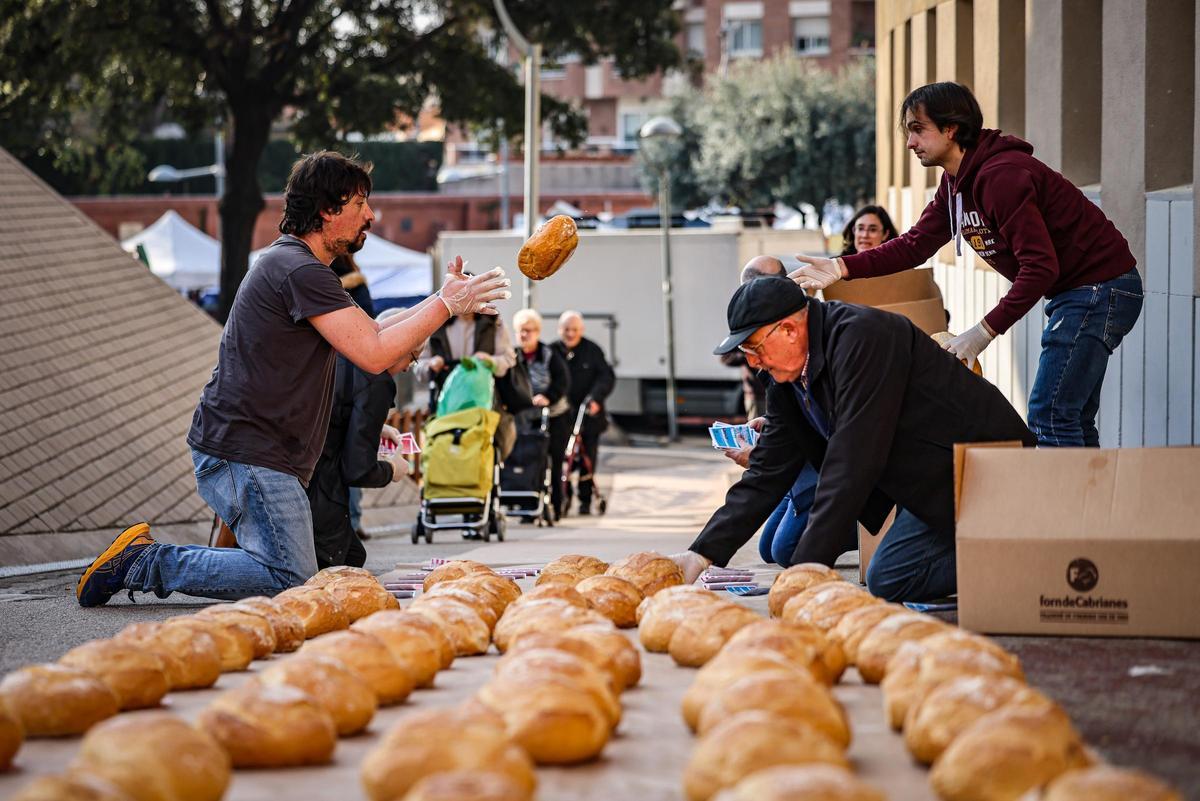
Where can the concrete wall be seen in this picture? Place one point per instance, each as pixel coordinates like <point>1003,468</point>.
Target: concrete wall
<point>1105,91</point>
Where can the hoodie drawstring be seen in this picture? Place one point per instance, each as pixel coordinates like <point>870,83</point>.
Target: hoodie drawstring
<point>956,217</point>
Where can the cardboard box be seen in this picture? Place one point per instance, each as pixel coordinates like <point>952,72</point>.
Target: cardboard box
<point>1078,541</point>
<point>911,293</point>
<point>868,544</point>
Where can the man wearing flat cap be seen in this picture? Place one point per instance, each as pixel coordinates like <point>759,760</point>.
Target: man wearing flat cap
<point>876,406</point>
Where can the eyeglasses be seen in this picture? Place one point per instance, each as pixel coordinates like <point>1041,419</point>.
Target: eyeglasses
<point>868,229</point>
<point>756,350</point>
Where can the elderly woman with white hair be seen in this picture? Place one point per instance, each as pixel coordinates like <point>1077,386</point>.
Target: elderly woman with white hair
<point>550,382</point>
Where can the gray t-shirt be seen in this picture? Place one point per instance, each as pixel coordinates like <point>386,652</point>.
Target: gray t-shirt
<point>269,397</point>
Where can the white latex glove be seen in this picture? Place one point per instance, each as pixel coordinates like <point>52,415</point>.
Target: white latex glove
<point>691,563</point>
<point>817,272</point>
<point>969,344</point>
<point>466,295</point>
<point>400,466</point>
<point>390,433</point>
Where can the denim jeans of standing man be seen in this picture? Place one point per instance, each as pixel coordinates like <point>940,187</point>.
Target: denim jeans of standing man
<point>1085,326</point>
<point>269,514</point>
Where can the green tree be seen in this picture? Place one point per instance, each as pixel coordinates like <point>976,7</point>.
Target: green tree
<point>680,156</point>
<point>79,79</point>
<point>778,130</point>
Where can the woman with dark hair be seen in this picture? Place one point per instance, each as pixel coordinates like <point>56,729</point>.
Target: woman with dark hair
<point>869,228</point>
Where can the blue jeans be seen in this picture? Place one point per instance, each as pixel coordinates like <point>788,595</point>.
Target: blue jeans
<point>1085,326</point>
<point>915,562</point>
<point>269,514</point>
<point>355,507</point>
<point>783,541</point>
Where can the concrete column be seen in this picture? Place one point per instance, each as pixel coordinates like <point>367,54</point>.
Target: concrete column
<point>999,63</point>
<point>955,37</point>
<point>923,66</point>
<point>1148,98</point>
<point>884,108</point>
<point>1062,86</point>
<point>901,86</point>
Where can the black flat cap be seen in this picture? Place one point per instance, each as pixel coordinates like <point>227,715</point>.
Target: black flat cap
<point>757,303</point>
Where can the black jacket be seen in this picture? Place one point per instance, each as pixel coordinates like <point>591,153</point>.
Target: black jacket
<point>556,367</point>
<point>591,375</point>
<point>896,404</point>
<point>350,458</point>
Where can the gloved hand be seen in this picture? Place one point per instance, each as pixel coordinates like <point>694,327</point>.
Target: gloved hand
<point>400,466</point>
<point>969,344</point>
<point>391,434</point>
<point>818,272</point>
<point>691,563</point>
<point>473,294</point>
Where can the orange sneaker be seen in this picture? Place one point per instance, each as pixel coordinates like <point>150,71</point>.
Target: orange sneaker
<point>105,577</point>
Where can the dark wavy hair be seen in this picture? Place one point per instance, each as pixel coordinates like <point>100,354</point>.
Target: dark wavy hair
<point>947,104</point>
<point>321,182</point>
<point>889,229</point>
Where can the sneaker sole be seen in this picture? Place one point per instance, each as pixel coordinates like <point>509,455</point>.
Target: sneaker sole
<point>119,544</point>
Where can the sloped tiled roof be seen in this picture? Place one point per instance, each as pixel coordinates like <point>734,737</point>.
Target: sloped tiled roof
<point>101,364</point>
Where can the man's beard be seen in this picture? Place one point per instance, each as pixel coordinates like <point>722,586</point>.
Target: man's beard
<point>344,247</point>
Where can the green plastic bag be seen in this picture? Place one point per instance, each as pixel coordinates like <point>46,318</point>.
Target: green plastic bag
<point>469,386</point>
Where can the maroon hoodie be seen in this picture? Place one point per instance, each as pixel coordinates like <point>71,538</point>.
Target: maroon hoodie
<point>1029,223</point>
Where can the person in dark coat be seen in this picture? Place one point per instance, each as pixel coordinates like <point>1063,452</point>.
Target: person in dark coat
<point>350,458</point>
<point>550,382</point>
<point>592,380</point>
<point>876,406</point>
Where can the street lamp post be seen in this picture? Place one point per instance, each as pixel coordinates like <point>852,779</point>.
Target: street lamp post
<point>531,53</point>
<point>666,131</point>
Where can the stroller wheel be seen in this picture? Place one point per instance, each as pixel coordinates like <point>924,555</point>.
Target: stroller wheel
<point>419,530</point>
<point>497,526</point>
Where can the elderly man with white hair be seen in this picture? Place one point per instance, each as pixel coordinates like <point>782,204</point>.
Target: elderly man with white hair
<point>591,381</point>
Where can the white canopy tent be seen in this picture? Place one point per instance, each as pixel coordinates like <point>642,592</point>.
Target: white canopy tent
<point>392,271</point>
<point>179,253</point>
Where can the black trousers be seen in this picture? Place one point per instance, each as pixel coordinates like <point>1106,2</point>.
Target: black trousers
<point>560,432</point>
<point>593,427</point>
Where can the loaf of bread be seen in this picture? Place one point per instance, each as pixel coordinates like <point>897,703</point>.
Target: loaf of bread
<point>571,569</point>
<point>549,248</point>
<point>621,657</point>
<point>664,613</point>
<point>419,625</point>
<point>949,709</point>
<point>561,590</point>
<point>367,657</point>
<point>797,579</point>
<point>1108,783</point>
<point>190,657</point>
<point>726,669</point>
<point>335,572</point>
<point>545,666</point>
<point>71,786</point>
<point>457,569</point>
<point>802,783</point>
<point>505,590</point>
<point>613,597</point>
<point>345,695</point>
<point>466,630</point>
<point>430,741</point>
<point>823,605</point>
<point>155,756</point>
<point>413,649</point>
<point>885,639</point>
<point>556,723</point>
<point>749,742</point>
<point>286,625</point>
<point>549,614</point>
<point>1006,753</point>
<point>270,726</point>
<point>670,594</point>
<point>805,645</point>
<point>235,643</point>
<point>919,666</point>
<point>57,700</point>
<point>468,785</point>
<point>476,598</point>
<point>778,692</point>
<point>137,676</point>
<point>12,734</point>
<point>318,610</point>
<point>262,633</point>
<point>698,638</point>
<point>856,624</point>
<point>360,596</point>
<point>649,571</point>
<point>942,337</point>
<point>575,646</point>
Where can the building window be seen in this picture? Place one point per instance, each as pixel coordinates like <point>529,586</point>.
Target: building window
<point>745,37</point>
<point>695,39</point>
<point>631,123</point>
<point>810,35</point>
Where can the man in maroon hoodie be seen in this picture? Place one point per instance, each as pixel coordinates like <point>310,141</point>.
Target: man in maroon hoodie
<point>1034,227</point>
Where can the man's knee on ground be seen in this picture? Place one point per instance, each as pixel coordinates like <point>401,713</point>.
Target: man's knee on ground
<point>888,586</point>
